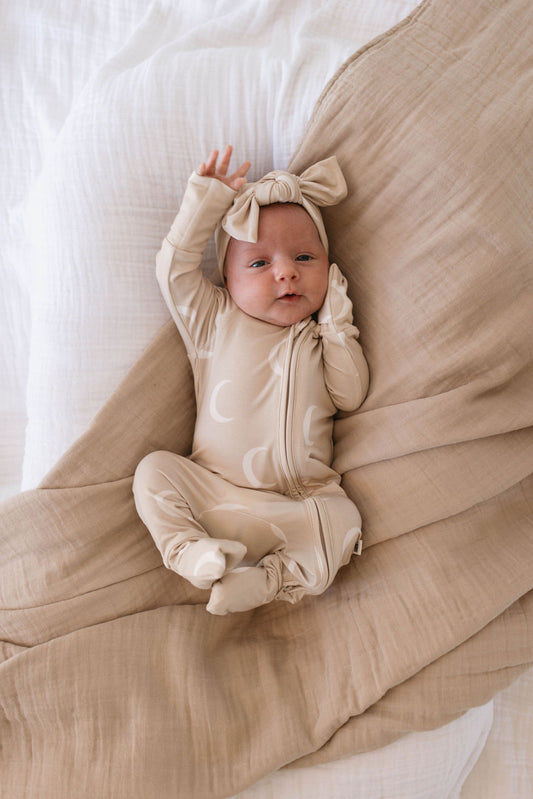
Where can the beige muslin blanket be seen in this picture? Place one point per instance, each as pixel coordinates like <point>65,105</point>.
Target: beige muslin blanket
<point>115,681</point>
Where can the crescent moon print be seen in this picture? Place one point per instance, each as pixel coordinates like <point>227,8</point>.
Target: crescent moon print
<point>218,417</point>
<point>187,311</point>
<point>248,468</point>
<point>274,359</point>
<point>167,498</point>
<point>342,301</point>
<point>307,425</point>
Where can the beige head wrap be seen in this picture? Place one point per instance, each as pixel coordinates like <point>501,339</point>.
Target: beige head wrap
<point>321,184</point>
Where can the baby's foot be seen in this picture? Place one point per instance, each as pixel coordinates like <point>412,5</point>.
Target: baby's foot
<point>242,589</point>
<point>204,561</point>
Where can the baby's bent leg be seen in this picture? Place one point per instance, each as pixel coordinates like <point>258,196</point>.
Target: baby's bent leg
<point>162,481</point>
<point>247,588</point>
<point>206,560</point>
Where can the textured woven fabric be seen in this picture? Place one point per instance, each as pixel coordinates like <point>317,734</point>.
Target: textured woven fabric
<point>114,676</point>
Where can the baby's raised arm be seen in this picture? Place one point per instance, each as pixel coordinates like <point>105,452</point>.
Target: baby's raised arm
<point>191,298</point>
<point>209,169</point>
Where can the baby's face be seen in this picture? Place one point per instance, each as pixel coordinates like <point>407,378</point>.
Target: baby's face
<point>283,277</point>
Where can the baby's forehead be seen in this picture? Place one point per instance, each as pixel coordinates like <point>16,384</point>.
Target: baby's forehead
<point>283,209</point>
<point>287,215</point>
<point>285,225</point>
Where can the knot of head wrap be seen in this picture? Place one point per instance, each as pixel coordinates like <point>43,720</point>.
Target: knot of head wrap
<point>320,185</point>
<point>276,187</point>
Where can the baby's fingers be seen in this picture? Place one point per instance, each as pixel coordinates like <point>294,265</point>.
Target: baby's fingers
<point>224,161</point>
<point>238,178</point>
<point>242,170</point>
<point>209,168</point>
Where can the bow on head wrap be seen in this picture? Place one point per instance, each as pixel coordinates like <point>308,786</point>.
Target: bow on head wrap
<point>321,184</point>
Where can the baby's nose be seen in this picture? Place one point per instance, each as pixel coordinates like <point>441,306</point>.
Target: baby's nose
<point>286,269</point>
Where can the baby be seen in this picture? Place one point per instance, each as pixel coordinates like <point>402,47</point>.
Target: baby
<point>256,512</point>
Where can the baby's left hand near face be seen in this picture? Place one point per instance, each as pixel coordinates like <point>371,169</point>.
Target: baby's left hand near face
<point>337,308</point>
<point>210,169</point>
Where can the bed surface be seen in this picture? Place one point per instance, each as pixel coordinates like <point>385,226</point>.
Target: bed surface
<point>107,107</point>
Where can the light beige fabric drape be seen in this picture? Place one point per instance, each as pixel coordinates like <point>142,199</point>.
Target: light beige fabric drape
<point>115,680</point>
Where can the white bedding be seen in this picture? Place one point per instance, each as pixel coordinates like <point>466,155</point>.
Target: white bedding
<point>107,107</point>
<point>110,104</point>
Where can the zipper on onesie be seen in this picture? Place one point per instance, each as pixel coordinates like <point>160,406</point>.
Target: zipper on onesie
<point>287,461</point>
<point>318,515</point>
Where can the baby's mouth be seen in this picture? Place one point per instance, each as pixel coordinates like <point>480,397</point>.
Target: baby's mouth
<point>290,296</point>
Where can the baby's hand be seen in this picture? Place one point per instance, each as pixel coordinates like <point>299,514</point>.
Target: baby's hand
<point>336,310</point>
<point>211,170</point>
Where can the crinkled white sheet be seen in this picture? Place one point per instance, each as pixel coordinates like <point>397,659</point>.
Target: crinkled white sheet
<point>107,106</point>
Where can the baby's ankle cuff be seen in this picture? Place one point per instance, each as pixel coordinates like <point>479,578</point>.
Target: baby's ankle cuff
<point>273,567</point>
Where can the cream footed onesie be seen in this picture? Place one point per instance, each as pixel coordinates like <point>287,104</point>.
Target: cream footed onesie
<point>255,512</point>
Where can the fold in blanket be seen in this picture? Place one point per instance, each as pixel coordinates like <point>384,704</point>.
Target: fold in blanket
<point>115,680</point>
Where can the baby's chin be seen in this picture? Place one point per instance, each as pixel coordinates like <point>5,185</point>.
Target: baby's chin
<point>288,312</point>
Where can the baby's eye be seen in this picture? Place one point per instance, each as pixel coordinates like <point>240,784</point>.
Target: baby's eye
<point>304,257</point>
<point>257,264</point>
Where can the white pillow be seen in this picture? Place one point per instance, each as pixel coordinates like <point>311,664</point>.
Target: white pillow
<point>189,77</point>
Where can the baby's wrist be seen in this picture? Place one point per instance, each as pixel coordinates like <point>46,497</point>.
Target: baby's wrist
<point>211,180</point>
